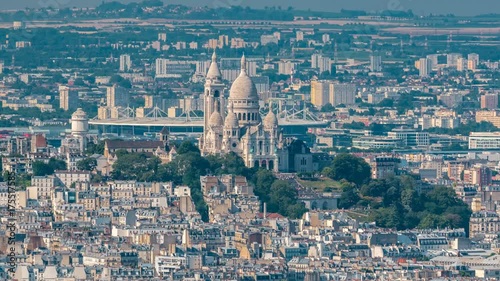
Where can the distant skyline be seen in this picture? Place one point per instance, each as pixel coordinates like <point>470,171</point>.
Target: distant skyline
<point>457,7</point>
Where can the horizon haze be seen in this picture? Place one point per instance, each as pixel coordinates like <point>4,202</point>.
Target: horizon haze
<point>421,7</point>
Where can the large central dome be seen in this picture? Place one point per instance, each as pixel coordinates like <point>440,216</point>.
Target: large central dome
<point>243,87</point>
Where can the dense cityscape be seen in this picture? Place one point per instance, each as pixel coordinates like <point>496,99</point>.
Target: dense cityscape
<point>151,141</point>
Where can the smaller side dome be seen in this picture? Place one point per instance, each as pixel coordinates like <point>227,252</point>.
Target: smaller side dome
<point>215,119</point>
<point>270,121</point>
<point>231,119</point>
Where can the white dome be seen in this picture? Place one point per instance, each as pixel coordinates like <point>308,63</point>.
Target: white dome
<point>215,119</point>
<point>270,121</point>
<point>243,87</point>
<point>231,120</point>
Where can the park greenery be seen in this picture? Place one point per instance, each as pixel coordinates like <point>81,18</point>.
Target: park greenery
<point>398,201</point>
<point>41,168</point>
<point>189,165</point>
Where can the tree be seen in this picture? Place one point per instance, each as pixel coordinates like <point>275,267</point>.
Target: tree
<point>135,166</point>
<point>283,200</point>
<point>86,164</point>
<point>354,125</point>
<point>281,196</point>
<point>230,163</point>
<point>386,103</point>
<point>116,79</point>
<point>351,168</point>
<point>405,102</point>
<point>95,148</point>
<point>296,210</point>
<point>41,169</point>
<point>374,188</point>
<point>327,108</point>
<point>57,164</point>
<point>263,180</point>
<point>349,196</point>
<point>125,83</point>
<point>186,147</point>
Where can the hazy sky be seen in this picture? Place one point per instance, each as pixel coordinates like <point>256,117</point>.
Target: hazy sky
<point>458,7</point>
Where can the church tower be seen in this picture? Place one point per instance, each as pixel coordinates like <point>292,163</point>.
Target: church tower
<point>213,95</point>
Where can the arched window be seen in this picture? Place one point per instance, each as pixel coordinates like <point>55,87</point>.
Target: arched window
<point>244,116</point>
<point>239,116</point>
<point>216,93</point>
<point>260,147</point>
<point>256,164</point>
<point>271,165</point>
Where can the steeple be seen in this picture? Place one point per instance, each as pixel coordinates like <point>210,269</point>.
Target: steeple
<point>243,63</point>
<point>213,70</point>
<point>213,102</point>
<point>214,56</point>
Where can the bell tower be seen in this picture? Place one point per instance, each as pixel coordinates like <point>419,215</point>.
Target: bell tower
<point>213,94</point>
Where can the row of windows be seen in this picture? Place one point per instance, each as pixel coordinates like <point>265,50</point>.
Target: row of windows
<point>246,101</point>
<point>250,117</point>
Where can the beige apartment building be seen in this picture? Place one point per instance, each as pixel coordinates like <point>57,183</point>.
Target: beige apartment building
<point>492,116</point>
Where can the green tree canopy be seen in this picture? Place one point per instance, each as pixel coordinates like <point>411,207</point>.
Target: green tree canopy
<point>42,169</point>
<point>134,166</point>
<point>87,164</point>
<point>350,168</point>
<point>327,108</point>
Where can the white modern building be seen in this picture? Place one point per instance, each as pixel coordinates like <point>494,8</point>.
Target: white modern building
<point>425,67</point>
<point>410,137</point>
<point>484,140</point>
<point>125,63</point>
